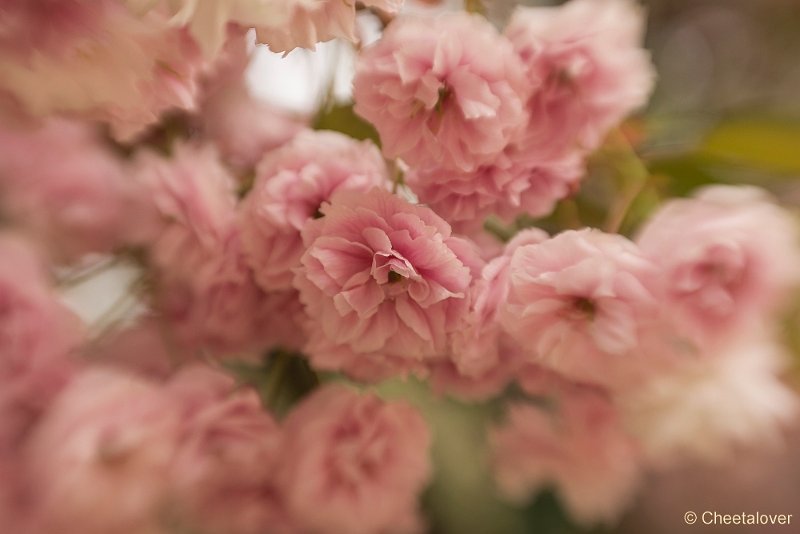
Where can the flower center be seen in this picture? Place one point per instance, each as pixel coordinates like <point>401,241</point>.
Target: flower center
<point>585,307</point>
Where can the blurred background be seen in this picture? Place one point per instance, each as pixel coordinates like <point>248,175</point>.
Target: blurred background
<point>726,110</point>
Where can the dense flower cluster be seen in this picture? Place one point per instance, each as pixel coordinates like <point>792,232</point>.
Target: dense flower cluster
<point>270,254</point>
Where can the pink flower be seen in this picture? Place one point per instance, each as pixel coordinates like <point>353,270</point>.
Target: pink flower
<point>243,128</point>
<point>37,335</point>
<point>208,20</point>
<point>192,195</point>
<point>221,479</point>
<point>315,21</point>
<point>204,287</point>
<point>575,446</point>
<point>730,258</point>
<point>584,304</point>
<point>508,187</point>
<point>60,183</point>
<point>714,407</point>
<point>588,69</point>
<point>443,93</point>
<point>98,459</point>
<point>353,463</point>
<point>381,283</point>
<point>484,359</point>
<point>291,185</point>
<point>107,63</point>
<point>141,348</point>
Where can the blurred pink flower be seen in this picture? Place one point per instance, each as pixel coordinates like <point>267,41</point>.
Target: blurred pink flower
<point>729,256</point>
<point>588,69</point>
<point>243,128</point>
<point>291,185</point>
<point>483,358</point>
<point>98,459</point>
<point>221,480</point>
<point>37,335</point>
<point>574,444</point>
<point>381,285</point>
<point>60,183</point>
<point>315,21</point>
<point>506,188</point>
<point>445,92</point>
<point>584,304</point>
<point>208,21</point>
<point>713,407</point>
<point>204,288</point>
<point>99,61</point>
<point>353,463</point>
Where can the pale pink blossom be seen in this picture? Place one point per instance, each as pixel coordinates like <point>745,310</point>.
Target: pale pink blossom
<point>315,21</point>
<point>208,20</point>
<point>107,63</point>
<point>584,304</point>
<point>204,288</point>
<point>192,195</point>
<point>97,460</point>
<point>714,406</point>
<point>63,185</point>
<point>221,479</point>
<point>142,348</point>
<point>37,336</point>
<point>353,463</point>
<point>243,128</point>
<point>484,359</point>
<point>588,69</point>
<point>444,92</point>
<point>382,285</point>
<point>291,185</point>
<point>729,258</point>
<point>573,444</point>
<point>508,187</point>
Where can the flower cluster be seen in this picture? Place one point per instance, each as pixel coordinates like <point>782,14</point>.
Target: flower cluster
<point>278,268</point>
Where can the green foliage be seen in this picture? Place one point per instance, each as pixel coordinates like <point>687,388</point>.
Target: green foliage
<point>282,379</point>
<point>342,118</point>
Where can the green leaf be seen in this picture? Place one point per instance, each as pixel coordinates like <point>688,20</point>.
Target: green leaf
<point>757,142</point>
<point>342,118</point>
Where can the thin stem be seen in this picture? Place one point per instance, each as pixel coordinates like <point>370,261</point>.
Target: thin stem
<point>631,167</point>
<point>277,370</point>
<point>79,276</point>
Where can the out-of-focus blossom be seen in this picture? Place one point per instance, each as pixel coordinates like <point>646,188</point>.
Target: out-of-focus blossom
<point>192,195</point>
<point>208,20</point>
<point>729,258</point>
<point>584,304</point>
<point>221,480</point>
<point>37,335</point>
<point>714,406</point>
<point>97,60</point>
<point>142,348</point>
<point>243,128</point>
<point>97,460</point>
<point>315,21</point>
<point>381,285</point>
<point>353,463</point>
<point>587,67</point>
<point>444,92</point>
<point>62,185</point>
<point>204,288</point>
<point>291,185</point>
<point>483,358</point>
<point>574,444</point>
<point>506,188</point>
